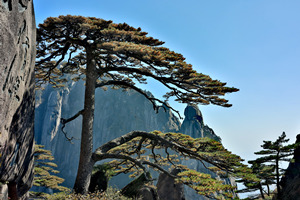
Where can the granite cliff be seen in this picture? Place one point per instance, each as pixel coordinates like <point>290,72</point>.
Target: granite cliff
<point>17,50</point>
<point>116,112</point>
<point>193,125</point>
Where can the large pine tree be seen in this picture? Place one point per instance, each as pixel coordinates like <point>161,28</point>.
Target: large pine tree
<point>104,53</point>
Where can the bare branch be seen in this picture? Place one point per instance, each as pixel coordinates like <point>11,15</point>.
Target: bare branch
<point>65,121</point>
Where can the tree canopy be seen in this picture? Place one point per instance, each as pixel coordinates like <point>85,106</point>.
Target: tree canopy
<point>134,151</point>
<point>123,56</point>
<point>103,53</point>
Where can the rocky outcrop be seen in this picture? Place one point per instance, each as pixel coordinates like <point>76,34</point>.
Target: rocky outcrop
<point>193,125</point>
<point>147,193</point>
<point>167,189</point>
<point>17,50</point>
<point>117,112</point>
<point>290,183</point>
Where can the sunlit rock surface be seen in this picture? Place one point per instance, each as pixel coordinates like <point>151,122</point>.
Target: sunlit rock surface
<point>17,58</point>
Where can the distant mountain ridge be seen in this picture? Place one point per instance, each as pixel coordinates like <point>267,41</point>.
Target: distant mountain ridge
<point>117,112</point>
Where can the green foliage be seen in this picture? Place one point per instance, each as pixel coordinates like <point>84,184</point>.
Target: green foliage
<point>103,53</point>
<point>123,56</point>
<point>44,170</point>
<point>147,150</point>
<point>106,168</point>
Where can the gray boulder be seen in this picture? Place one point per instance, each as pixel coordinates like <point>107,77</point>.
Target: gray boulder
<point>167,189</point>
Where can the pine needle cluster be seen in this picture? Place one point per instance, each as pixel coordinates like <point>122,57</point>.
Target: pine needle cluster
<point>44,169</point>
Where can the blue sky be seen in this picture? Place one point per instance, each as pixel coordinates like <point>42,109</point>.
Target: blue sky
<point>253,45</point>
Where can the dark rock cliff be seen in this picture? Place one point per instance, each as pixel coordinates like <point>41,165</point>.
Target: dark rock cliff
<point>290,182</point>
<point>17,50</point>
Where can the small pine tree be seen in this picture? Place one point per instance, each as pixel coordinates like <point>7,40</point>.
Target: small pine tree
<point>267,167</point>
<point>44,170</point>
<point>264,177</point>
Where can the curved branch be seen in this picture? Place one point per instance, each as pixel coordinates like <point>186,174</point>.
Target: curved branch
<point>140,163</point>
<point>98,157</point>
<point>65,121</point>
<point>162,142</point>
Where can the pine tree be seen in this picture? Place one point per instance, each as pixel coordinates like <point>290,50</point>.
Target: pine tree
<point>103,54</point>
<point>267,167</point>
<point>264,177</point>
<point>132,152</point>
<point>44,170</point>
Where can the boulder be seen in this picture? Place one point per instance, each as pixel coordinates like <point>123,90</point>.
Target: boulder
<point>147,193</point>
<point>167,189</point>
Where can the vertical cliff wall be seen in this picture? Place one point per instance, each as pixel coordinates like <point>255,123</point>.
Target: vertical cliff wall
<point>17,58</point>
<point>117,112</point>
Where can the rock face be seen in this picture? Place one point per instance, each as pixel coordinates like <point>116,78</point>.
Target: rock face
<point>167,189</point>
<point>290,183</point>
<point>193,125</point>
<point>116,113</point>
<point>17,50</point>
<point>147,193</point>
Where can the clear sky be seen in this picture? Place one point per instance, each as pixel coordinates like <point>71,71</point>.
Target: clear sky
<point>253,45</point>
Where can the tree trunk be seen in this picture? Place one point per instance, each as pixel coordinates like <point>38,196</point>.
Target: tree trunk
<point>277,176</point>
<point>86,162</point>
<point>12,191</point>
<point>261,191</point>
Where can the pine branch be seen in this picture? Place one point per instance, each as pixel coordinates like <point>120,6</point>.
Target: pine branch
<point>65,121</point>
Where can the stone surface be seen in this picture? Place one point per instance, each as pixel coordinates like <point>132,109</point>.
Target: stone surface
<point>17,50</point>
<point>193,125</point>
<point>3,191</point>
<point>147,193</point>
<point>290,182</point>
<point>116,113</point>
<point>167,189</point>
